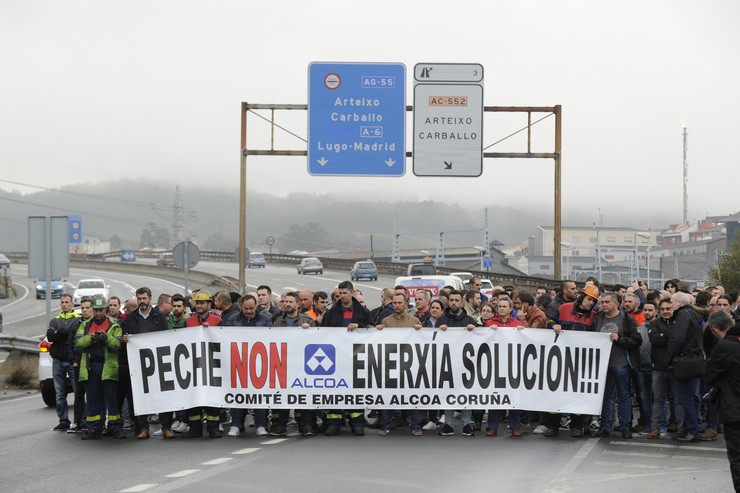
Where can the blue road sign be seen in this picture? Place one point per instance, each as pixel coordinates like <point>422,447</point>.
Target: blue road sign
<point>487,262</point>
<point>128,256</point>
<point>357,119</point>
<point>75,229</point>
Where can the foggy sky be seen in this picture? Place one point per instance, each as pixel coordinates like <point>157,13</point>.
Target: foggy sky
<point>94,90</point>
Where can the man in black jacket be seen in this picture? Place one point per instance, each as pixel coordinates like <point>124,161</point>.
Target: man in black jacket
<point>456,316</point>
<point>147,319</point>
<point>684,340</point>
<point>663,383</point>
<point>346,312</point>
<point>723,371</point>
<point>61,334</point>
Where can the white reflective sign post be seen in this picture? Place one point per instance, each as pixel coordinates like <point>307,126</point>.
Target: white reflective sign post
<point>448,119</point>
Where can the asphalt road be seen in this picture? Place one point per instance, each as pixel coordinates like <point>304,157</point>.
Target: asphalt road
<point>34,458</point>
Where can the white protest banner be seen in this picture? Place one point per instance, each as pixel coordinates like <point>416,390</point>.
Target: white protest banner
<point>330,368</point>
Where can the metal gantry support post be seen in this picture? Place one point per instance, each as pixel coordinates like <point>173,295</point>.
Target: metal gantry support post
<point>244,152</point>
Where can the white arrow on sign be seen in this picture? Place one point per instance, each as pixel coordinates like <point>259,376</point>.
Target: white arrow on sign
<point>322,161</point>
<point>390,162</point>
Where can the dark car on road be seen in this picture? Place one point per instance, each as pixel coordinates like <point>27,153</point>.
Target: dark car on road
<point>310,265</point>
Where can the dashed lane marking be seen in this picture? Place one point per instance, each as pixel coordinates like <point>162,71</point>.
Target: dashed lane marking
<point>245,451</point>
<point>275,441</point>
<point>216,462</point>
<point>183,473</point>
<point>138,487</point>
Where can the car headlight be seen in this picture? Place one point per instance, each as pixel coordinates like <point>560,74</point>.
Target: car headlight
<point>38,286</point>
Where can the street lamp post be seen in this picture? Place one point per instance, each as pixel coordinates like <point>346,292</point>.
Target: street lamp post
<point>637,260</point>
<point>482,251</point>
<point>567,258</point>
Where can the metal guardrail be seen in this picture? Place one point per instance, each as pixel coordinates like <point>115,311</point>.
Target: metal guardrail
<point>384,266</point>
<point>19,343</point>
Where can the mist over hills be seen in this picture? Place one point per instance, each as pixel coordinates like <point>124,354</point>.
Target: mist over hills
<point>125,209</point>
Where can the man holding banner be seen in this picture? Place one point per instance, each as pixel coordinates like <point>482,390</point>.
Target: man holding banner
<point>347,312</point>
<point>578,316</point>
<point>142,321</point>
<point>626,340</point>
<point>203,317</point>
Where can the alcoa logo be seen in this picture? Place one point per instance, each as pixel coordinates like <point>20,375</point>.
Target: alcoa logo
<point>320,359</point>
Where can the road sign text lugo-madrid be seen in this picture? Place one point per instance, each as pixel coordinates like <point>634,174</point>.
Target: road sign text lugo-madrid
<point>356,119</point>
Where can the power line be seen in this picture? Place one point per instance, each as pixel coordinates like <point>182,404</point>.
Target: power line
<point>79,194</point>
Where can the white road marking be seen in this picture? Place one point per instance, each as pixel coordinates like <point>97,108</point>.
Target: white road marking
<point>20,398</point>
<point>138,487</point>
<point>647,445</point>
<point>245,451</point>
<point>662,467</point>
<point>632,454</point>
<point>216,462</point>
<point>667,456</point>
<point>561,480</point>
<point>183,473</point>
<point>274,442</point>
<point>702,449</point>
<point>19,299</point>
<point>669,446</point>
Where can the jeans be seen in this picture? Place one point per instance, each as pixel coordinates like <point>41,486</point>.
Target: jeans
<point>495,415</point>
<point>686,393</point>
<point>663,383</point>
<point>60,371</point>
<point>645,387</point>
<point>466,416</point>
<point>617,378</point>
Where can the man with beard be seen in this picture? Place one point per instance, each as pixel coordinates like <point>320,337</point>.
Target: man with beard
<point>622,330</point>
<point>455,316</point>
<point>568,293</point>
<point>98,341</point>
<point>346,312</point>
<point>291,317</point>
<point>248,317</point>
<point>145,319</point>
<point>320,304</point>
<point>577,315</point>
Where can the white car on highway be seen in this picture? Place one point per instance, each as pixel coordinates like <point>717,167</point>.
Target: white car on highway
<point>89,287</point>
